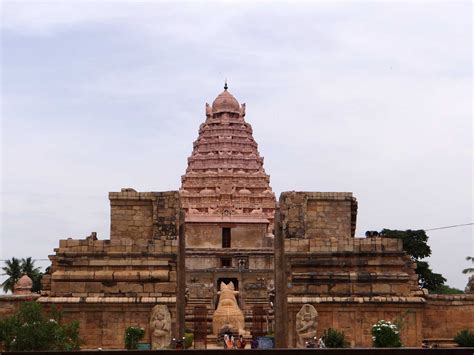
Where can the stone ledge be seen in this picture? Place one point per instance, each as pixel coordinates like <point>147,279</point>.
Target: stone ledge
<point>456,297</point>
<point>107,299</point>
<point>20,298</point>
<point>106,275</point>
<point>375,299</point>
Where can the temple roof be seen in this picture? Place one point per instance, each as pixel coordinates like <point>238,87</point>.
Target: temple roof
<point>225,102</point>
<point>225,175</point>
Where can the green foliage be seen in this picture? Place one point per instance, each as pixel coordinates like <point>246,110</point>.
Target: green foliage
<point>188,340</point>
<point>415,244</point>
<point>30,329</point>
<point>385,335</point>
<point>334,339</point>
<point>34,273</point>
<point>12,269</point>
<point>132,337</point>
<point>427,278</point>
<point>469,270</point>
<point>446,290</point>
<point>16,268</point>
<point>465,338</point>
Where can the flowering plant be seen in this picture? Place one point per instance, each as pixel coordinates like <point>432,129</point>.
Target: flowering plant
<point>385,334</point>
<point>132,336</point>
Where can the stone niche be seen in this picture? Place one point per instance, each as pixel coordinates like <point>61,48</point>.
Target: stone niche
<point>242,236</point>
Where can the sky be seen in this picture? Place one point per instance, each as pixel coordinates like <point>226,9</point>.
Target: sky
<point>374,98</point>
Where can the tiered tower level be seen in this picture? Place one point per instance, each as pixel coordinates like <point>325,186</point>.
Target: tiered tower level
<point>225,180</point>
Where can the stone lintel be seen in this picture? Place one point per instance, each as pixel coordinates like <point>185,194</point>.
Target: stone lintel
<point>375,299</point>
<point>102,299</point>
<point>223,219</point>
<point>135,195</point>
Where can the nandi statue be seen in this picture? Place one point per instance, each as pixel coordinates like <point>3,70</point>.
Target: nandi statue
<point>228,314</point>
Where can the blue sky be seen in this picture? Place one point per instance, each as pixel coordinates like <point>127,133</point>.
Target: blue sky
<point>369,97</point>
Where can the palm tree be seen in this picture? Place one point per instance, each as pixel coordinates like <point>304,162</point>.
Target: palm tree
<point>13,270</point>
<point>28,267</point>
<point>469,269</point>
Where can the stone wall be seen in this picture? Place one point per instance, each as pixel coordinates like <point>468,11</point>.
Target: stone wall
<point>445,315</point>
<point>109,285</point>
<point>243,236</point>
<point>354,282</point>
<point>103,322</point>
<point>144,215</point>
<point>9,304</point>
<point>318,215</point>
<point>356,319</point>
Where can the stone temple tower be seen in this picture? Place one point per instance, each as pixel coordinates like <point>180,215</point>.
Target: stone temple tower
<point>229,208</point>
<point>225,180</point>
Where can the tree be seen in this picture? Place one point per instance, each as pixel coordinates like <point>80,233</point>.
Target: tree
<point>415,244</point>
<point>31,329</point>
<point>469,270</point>
<point>16,268</point>
<point>34,273</point>
<point>446,290</point>
<point>12,269</point>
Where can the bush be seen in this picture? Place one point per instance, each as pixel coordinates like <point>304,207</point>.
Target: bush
<point>30,329</point>
<point>334,339</point>
<point>132,337</point>
<point>188,340</point>
<point>465,338</point>
<point>446,290</point>
<point>386,335</point>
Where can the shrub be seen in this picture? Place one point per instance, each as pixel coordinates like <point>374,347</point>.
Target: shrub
<point>30,329</point>
<point>386,335</point>
<point>188,340</point>
<point>334,339</point>
<point>465,338</point>
<point>132,336</point>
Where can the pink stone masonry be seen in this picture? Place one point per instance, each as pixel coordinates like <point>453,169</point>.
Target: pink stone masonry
<point>225,180</point>
<point>23,286</point>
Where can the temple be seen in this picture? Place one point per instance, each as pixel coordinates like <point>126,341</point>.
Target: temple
<point>229,208</point>
<point>222,255</point>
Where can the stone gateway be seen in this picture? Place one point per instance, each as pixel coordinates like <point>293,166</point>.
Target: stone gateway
<point>223,252</point>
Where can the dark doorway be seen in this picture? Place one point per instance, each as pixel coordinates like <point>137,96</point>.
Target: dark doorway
<point>226,262</point>
<point>226,237</point>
